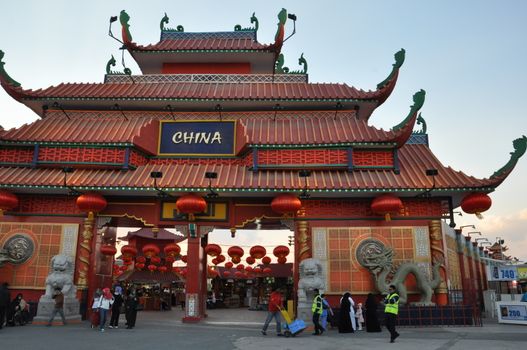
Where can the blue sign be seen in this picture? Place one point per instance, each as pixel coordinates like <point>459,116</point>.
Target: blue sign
<point>513,312</point>
<point>197,138</point>
<point>502,273</point>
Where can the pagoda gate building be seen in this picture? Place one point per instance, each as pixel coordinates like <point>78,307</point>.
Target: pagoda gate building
<point>217,133</point>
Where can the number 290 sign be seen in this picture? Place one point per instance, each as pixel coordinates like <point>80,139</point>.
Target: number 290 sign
<point>502,273</point>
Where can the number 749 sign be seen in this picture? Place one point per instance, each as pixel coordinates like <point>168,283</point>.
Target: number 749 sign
<point>502,273</point>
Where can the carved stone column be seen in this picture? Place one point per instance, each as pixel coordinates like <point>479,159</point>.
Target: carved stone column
<point>438,255</point>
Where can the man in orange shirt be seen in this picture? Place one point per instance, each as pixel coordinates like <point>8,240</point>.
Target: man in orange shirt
<point>275,303</point>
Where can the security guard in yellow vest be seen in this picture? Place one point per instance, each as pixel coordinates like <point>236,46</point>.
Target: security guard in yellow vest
<point>390,311</point>
<point>316,309</point>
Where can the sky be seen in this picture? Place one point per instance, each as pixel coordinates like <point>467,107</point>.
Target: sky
<point>469,56</point>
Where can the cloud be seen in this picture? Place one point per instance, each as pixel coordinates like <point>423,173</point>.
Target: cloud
<point>512,228</point>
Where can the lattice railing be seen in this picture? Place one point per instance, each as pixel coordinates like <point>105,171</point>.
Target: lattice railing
<point>175,35</point>
<point>206,78</point>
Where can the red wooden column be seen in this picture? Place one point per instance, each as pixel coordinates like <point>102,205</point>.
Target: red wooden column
<point>485,284</point>
<point>470,275</point>
<point>477,262</point>
<point>461,257</point>
<point>195,289</point>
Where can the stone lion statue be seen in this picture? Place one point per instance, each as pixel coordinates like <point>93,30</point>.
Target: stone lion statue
<point>310,271</point>
<point>61,276</point>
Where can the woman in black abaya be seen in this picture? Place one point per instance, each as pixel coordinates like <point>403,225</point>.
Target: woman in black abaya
<point>372,322</point>
<point>344,314</point>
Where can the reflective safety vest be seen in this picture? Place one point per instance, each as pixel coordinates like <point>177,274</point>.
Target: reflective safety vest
<point>316,308</point>
<point>392,304</point>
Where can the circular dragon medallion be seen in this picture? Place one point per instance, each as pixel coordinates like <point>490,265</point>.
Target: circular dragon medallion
<point>19,248</point>
<point>367,249</point>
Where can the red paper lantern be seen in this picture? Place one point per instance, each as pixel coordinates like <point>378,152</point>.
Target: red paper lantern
<point>212,250</point>
<point>172,249</point>
<point>184,259</point>
<point>236,259</point>
<point>476,203</point>
<point>282,260</point>
<point>170,260</point>
<point>257,270</point>
<point>91,202</point>
<point>128,250</point>
<point>127,262</point>
<point>286,203</point>
<point>152,267</point>
<point>155,260</point>
<point>221,258</point>
<point>240,267</point>
<point>249,269</point>
<point>108,250</point>
<point>176,270</point>
<point>266,260</point>
<point>226,273</point>
<point>191,204</point>
<point>8,201</point>
<point>162,269</point>
<point>139,266</point>
<point>386,205</point>
<point>281,251</point>
<point>123,268</point>
<point>150,250</point>
<point>235,252</point>
<point>183,272</point>
<point>250,260</point>
<point>238,274</point>
<point>267,270</point>
<point>140,259</point>
<point>257,252</point>
<point>229,265</point>
<point>215,261</point>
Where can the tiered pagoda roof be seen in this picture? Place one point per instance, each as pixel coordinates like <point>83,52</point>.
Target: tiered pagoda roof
<point>322,127</point>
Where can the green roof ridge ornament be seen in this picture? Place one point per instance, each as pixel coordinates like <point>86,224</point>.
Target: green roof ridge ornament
<point>301,61</point>
<point>419,100</point>
<point>238,27</point>
<point>111,63</point>
<point>399,60</point>
<point>124,18</point>
<point>279,36</point>
<point>164,21</point>
<point>421,121</point>
<point>520,145</point>
<point>4,74</point>
<point>279,65</point>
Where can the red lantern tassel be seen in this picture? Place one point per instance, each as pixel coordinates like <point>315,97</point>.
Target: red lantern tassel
<point>387,217</point>
<point>479,216</point>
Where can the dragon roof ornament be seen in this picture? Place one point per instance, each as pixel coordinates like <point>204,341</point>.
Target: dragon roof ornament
<point>399,60</point>
<point>238,27</point>
<point>3,74</point>
<point>164,21</point>
<point>124,18</point>
<point>520,146</point>
<point>419,100</point>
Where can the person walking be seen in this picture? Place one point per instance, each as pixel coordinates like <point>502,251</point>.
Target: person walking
<point>116,307</point>
<point>95,309</point>
<point>59,307</point>
<point>344,314</point>
<point>275,304</point>
<point>372,321</point>
<point>390,311</point>
<point>105,303</point>
<point>352,313</point>
<point>326,310</point>
<point>5,300</point>
<point>360,317</point>
<point>130,307</point>
<point>316,309</point>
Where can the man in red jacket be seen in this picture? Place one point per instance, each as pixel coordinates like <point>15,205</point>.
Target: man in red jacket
<point>275,303</point>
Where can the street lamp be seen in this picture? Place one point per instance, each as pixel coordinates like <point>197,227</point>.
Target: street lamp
<point>461,227</point>
<point>474,233</point>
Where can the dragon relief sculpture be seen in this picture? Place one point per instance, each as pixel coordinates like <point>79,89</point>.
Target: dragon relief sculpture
<point>380,265</point>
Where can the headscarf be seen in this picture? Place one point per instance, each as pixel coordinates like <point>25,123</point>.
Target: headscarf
<point>118,290</point>
<point>106,293</point>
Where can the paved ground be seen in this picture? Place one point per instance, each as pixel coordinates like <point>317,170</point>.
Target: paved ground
<point>240,329</point>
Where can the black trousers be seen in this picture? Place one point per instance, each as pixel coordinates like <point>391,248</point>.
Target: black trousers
<point>131,315</point>
<point>390,324</point>
<point>316,322</point>
<point>114,321</point>
<point>2,315</point>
